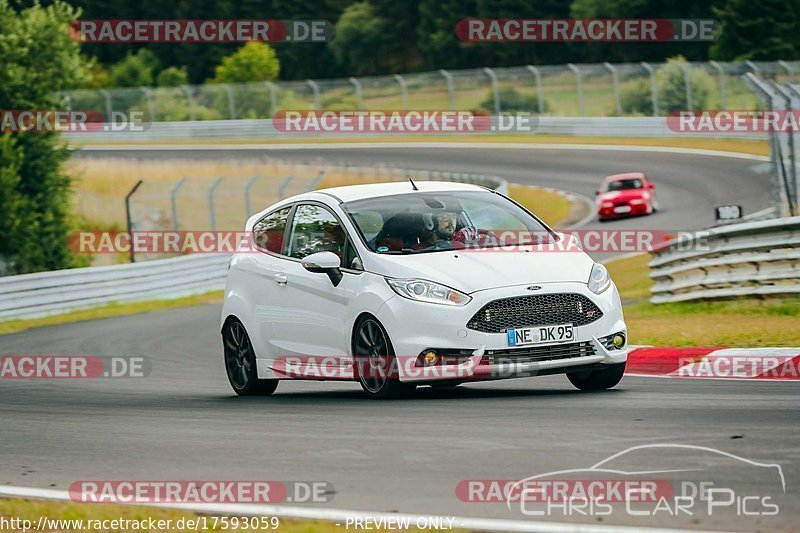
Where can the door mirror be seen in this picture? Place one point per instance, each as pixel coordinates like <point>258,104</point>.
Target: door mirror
<point>324,263</point>
<point>597,192</point>
<point>651,186</point>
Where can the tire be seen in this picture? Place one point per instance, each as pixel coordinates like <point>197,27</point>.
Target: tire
<point>240,362</point>
<point>598,379</point>
<point>376,365</point>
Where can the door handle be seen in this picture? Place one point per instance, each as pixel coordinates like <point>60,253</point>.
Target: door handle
<point>280,279</point>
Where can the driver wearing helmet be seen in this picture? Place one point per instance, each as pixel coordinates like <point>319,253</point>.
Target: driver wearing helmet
<point>439,228</point>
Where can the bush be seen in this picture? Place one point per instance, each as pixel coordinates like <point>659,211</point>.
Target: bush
<point>512,101</point>
<point>636,94</point>
<point>672,87</point>
<point>636,97</point>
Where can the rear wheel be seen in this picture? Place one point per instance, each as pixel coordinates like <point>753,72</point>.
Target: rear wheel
<point>600,379</point>
<point>376,364</point>
<point>240,362</point>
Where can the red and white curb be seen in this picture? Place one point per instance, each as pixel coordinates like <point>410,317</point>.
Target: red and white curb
<point>763,364</point>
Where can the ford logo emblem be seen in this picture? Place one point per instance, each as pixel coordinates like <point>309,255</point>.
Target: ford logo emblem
<point>534,287</point>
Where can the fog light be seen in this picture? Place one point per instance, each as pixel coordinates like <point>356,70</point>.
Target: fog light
<point>430,358</point>
<point>619,341</point>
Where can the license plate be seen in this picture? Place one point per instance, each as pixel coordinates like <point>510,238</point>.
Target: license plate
<point>622,209</point>
<point>540,334</point>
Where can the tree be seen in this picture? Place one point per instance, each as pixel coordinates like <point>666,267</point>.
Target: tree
<point>764,30</point>
<point>136,70</point>
<point>360,41</point>
<point>172,77</point>
<point>254,61</point>
<point>39,61</point>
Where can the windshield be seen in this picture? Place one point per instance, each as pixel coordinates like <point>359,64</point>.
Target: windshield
<point>430,222</point>
<point>618,185</point>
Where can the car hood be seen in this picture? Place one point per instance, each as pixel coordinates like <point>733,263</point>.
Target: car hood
<point>625,194</point>
<point>471,271</point>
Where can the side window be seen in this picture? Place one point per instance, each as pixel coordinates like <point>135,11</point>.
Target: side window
<point>315,229</point>
<point>268,232</point>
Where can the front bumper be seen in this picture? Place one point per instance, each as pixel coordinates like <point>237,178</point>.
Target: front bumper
<point>416,326</point>
<point>636,209</point>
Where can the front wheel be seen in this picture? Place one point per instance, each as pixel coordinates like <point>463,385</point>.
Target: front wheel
<point>376,364</point>
<point>599,379</point>
<point>240,362</point>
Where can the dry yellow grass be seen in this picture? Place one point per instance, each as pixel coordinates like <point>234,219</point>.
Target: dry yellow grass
<point>100,186</point>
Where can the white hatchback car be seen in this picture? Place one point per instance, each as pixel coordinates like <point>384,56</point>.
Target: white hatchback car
<point>396,285</point>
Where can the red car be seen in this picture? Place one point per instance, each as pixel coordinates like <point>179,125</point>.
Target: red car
<point>627,194</point>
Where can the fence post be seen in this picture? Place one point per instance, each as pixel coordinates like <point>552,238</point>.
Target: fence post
<point>316,180</point>
<point>753,67</point>
<point>67,100</point>
<point>403,90</point>
<point>173,198</point>
<point>495,93</point>
<point>109,107</point>
<point>247,189</point>
<point>615,78</point>
<point>451,90</point>
<point>282,187</point>
<point>653,86</point>
<point>212,213</point>
<point>359,95</point>
<point>273,99</point>
<point>148,93</point>
<point>128,219</point>
<point>579,85</point>
<point>789,69</point>
<point>231,101</point>
<point>539,96</point>
<point>315,89</point>
<point>787,98</point>
<point>687,82</point>
<point>189,102</point>
<point>776,189</point>
<point>721,73</point>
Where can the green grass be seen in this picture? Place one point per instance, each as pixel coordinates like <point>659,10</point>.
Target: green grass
<point>730,323</point>
<point>58,510</point>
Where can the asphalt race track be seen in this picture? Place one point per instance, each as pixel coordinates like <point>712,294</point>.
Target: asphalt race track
<point>183,422</point>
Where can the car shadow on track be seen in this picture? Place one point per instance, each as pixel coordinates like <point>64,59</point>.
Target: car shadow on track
<point>460,393</point>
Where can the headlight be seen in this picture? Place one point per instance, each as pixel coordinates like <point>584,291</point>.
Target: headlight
<point>637,201</point>
<point>599,280</point>
<point>427,291</point>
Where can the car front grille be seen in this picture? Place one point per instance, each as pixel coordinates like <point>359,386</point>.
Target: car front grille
<point>538,310</point>
<point>539,353</point>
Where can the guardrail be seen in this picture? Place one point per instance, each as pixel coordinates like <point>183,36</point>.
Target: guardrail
<point>62,291</point>
<point>753,258</point>
<point>255,129</point>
